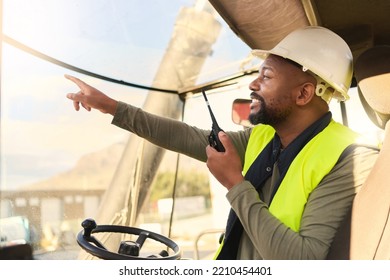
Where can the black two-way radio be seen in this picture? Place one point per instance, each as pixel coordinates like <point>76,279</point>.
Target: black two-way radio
<point>215,129</point>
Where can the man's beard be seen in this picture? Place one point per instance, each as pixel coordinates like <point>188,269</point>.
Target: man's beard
<point>260,116</point>
<point>267,115</point>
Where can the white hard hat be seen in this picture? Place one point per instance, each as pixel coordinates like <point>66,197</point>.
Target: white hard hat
<point>323,53</point>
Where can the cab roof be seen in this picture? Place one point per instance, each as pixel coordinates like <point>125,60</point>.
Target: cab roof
<point>262,24</point>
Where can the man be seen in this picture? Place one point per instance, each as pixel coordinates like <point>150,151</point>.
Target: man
<point>291,179</point>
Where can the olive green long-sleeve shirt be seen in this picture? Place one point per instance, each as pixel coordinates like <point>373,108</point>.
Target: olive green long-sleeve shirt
<point>264,236</point>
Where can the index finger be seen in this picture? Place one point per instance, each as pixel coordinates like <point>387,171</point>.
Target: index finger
<point>225,140</point>
<point>210,150</point>
<point>77,81</point>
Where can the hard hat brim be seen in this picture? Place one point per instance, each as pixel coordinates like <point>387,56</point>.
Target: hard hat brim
<point>261,53</point>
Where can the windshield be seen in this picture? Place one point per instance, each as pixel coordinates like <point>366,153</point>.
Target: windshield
<point>55,163</point>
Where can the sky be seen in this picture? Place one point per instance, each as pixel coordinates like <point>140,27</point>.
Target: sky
<point>41,134</point>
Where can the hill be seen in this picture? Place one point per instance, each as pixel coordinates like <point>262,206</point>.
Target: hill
<point>92,171</point>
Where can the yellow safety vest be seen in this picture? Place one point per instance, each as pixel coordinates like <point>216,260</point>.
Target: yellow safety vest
<point>306,171</point>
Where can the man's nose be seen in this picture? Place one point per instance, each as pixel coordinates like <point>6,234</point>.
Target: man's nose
<point>254,85</point>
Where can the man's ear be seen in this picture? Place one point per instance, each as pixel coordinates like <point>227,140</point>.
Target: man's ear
<point>305,94</point>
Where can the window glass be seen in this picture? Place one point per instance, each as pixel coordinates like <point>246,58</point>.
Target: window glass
<point>56,163</point>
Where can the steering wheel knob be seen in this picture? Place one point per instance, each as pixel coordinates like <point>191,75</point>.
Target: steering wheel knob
<point>88,225</point>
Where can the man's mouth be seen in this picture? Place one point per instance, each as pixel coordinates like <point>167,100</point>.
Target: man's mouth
<point>256,100</point>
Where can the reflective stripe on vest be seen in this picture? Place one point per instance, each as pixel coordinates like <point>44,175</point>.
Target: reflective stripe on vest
<point>316,159</point>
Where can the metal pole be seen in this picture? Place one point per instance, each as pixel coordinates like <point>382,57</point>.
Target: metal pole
<point>344,113</point>
<point>1,77</point>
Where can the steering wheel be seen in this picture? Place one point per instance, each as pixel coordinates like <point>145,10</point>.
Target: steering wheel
<point>128,250</point>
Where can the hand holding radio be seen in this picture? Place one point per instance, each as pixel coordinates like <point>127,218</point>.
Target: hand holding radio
<point>226,167</point>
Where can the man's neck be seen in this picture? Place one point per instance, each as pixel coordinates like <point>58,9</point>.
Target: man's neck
<point>291,130</point>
